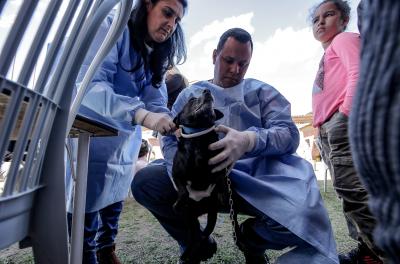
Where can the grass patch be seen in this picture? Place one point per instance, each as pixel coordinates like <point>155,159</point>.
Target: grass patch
<point>142,240</point>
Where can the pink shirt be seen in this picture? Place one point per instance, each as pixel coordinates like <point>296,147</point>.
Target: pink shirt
<point>337,77</point>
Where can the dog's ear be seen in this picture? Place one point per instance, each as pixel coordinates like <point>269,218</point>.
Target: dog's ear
<point>218,114</point>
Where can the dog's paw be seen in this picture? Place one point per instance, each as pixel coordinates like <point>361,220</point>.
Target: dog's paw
<point>200,251</point>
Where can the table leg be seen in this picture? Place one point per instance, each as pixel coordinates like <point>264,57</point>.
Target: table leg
<point>78,216</point>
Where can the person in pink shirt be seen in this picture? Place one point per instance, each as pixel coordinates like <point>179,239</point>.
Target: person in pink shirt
<point>333,91</point>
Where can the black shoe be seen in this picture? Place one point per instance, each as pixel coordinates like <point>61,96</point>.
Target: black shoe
<point>256,259</point>
<point>202,251</point>
<point>247,239</point>
<point>360,255</point>
<point>107,255</point>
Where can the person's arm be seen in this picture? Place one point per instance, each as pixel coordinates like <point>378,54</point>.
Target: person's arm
<point>155,115</point>
<point>101,96</point>
<point>347,48</point>
<point>155,99</point>
<point>277,135</point>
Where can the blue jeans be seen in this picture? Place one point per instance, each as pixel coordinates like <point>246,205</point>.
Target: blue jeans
<point>153,189</point>
<point>99,234</point>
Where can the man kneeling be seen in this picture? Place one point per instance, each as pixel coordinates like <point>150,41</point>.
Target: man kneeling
<point>270,183</point>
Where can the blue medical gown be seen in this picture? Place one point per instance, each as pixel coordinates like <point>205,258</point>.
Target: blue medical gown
<point>113,97</point>
<point>270,177</point>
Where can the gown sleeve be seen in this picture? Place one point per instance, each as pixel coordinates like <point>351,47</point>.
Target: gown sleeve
<point>102,97</point>
<point>278,134</point>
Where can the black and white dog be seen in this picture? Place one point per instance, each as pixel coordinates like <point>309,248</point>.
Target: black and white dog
<point>199,190</point>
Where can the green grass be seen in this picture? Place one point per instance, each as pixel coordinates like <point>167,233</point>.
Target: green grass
<point>142,240</point>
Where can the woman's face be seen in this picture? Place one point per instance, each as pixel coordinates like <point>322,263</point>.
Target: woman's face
<point>327,23</point>
<point>162,19</point>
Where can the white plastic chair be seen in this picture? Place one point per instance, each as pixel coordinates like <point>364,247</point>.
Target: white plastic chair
<point>36,120</point>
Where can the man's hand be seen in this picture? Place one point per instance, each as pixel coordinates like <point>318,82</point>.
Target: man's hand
<point>160,122</point>
<point>234,145</point>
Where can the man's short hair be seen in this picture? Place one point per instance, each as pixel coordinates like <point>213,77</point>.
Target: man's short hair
<point>175,84</point>
<point>238,34</point>
<point>144,148</point>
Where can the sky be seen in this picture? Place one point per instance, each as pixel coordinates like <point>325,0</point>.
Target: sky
<point>285,55</point>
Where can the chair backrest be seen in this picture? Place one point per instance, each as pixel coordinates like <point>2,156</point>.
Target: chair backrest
<point>34,118</point>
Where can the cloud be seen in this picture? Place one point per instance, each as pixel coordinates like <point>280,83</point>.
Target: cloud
<point>201,45</point>
<point>215,29</point>
<point>9,13</point>
<point>6,23</point>
<point>287,60</point>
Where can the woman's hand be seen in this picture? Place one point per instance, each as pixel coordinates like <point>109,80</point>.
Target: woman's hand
<point>160,122</point>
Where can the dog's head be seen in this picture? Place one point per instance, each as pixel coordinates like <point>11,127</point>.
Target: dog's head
<point>199,112</point>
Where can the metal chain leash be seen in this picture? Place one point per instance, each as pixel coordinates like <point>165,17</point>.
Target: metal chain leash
<point>231,209</point>
<point>232,215</point>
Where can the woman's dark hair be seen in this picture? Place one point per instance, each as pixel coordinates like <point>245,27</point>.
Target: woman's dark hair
<point>239,34</point>
<point>341,5</point>
<point>164,54</point>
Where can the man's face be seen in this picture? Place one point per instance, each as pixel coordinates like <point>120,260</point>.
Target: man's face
<point>231,63</point>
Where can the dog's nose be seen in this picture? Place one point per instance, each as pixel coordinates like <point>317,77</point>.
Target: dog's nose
<point>206,91</point>
<point>207,96</point>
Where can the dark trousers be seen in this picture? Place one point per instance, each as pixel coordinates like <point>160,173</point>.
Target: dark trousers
<point>101,228</point>
<point>153,189</point>
<point>336,153</point>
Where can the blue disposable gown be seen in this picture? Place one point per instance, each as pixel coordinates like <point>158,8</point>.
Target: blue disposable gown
<point>113,97</point>
<point>270,177</point>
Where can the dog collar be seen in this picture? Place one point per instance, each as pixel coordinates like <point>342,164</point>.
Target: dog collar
<point>194,132</point>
